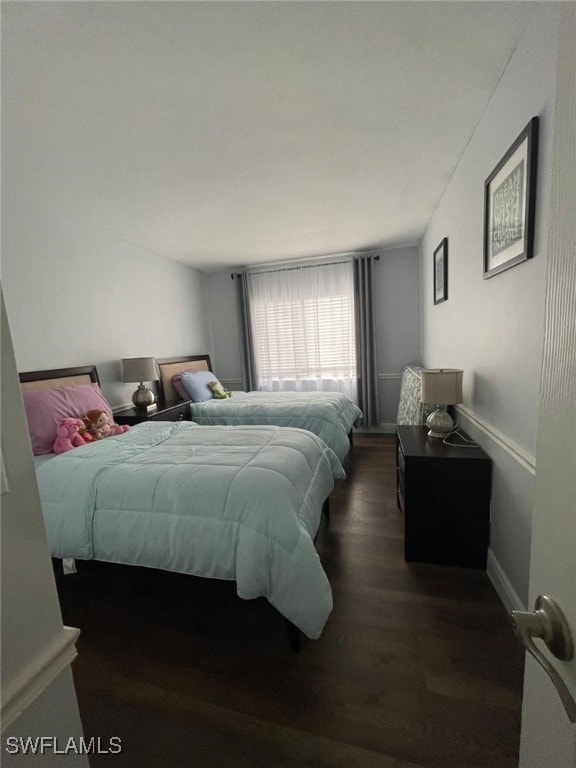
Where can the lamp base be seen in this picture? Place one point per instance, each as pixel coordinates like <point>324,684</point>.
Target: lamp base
<point>439,423</point>
<point>144,397</point>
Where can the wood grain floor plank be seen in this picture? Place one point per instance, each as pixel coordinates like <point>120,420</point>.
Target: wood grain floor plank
<point>417,666</point>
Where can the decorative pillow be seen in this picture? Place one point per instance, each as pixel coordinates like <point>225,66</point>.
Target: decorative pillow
<point>45,409</point>
<point>197,385</point>
<point>179,387</point>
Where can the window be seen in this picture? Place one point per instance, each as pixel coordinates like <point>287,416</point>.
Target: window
<point>303,328</point>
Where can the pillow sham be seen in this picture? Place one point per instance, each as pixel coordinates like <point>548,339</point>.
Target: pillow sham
<point>196,385</point>
<point>179,387</point>
<point>45,409</point>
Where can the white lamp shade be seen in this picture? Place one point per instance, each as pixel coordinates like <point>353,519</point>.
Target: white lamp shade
<point>139,369</point>
<point>441,386</point>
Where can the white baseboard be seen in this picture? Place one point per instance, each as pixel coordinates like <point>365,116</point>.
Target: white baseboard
<point>502,584</point>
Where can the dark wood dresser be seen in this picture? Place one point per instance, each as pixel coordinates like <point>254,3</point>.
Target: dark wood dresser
<point>444,492</point>
<point>177,410</point>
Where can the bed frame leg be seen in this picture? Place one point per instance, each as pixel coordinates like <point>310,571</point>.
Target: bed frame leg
<point>293,634</point>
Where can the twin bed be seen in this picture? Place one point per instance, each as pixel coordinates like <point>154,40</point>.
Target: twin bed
<point>330,415</point>
<point>240,503</point>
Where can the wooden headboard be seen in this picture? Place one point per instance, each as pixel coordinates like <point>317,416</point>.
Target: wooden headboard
<point>170,366</point>
<point>59,377</point>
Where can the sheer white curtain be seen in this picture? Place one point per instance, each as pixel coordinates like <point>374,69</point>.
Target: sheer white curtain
<point>303,328</point>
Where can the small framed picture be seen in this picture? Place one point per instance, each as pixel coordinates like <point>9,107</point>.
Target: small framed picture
<point>441,272</point>
<point>509,205</point>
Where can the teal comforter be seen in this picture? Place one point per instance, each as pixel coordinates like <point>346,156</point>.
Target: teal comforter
<point>238,503</point>
<point>330,415</point>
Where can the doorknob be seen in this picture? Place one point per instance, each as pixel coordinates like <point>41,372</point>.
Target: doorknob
<point>548,623</point>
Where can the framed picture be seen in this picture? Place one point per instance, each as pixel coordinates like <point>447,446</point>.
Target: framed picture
<point>441,272</point>
<point>509,203</point>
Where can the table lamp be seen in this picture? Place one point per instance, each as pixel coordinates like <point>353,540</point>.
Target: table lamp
<point>141,369</point>
<point>441,387</point>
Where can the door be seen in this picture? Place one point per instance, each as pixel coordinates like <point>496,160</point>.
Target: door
<point>548,739</point>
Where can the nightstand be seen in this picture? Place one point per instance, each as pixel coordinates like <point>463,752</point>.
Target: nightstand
<point>177,410</point>
<point>444,492</point>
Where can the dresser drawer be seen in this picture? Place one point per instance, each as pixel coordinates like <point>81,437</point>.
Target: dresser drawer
<point>164,411</point>
<point>178,413</point>
<point>400,458</point>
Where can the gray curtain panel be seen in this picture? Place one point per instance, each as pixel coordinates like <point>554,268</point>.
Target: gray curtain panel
<point>366,339</point>
<point>246,348</point>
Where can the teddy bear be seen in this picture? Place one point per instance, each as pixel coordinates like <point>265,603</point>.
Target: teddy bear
<point>70,433</point>
<point>218,390</point>
<point>100,426</point>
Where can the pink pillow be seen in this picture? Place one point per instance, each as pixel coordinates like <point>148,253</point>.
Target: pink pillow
<point>179,387</point>
<point>45,409</point>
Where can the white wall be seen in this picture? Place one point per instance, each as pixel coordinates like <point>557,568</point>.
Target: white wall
<point>493,328</point>
<point>77,291</point>
<point>221,305</point>
<point>397,300</point>
<point>75,297</point>
<point>38,697</point>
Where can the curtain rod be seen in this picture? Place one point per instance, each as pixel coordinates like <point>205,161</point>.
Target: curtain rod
<point>306,266</point>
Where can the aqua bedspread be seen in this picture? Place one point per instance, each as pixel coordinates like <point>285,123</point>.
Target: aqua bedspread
<point>238,503</point>
<point>330,415</point>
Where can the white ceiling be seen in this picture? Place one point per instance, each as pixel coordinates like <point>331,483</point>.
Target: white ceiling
<point>230,133</point>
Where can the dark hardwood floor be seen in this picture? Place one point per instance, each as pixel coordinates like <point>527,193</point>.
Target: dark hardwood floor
<point>417,665</point>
